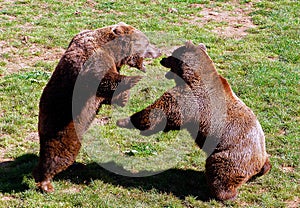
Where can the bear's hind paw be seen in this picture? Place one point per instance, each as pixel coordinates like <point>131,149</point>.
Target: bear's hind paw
<point>45,186</point>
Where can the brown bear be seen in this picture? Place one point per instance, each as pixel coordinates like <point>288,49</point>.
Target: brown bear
<point>86,77</point>
<point>221,124</point>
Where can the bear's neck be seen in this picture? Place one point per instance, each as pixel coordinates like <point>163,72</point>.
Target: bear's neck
<point>205,76</point>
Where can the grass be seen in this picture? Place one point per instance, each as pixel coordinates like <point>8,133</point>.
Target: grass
<point>262,68</point>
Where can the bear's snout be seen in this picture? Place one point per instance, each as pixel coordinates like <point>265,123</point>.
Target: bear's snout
<point>171,62</point>
<point>164,62</point>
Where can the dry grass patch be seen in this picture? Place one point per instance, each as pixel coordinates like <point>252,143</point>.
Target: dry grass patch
<point>234,22</point>
<point>293,203</point>
<point>18,58</point>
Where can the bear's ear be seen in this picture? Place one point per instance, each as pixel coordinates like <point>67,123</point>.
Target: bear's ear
<point>122,28</point>
<point>202,46</point>
<point>189,44</point>
<point>122,24</point>
<point>117,29</point>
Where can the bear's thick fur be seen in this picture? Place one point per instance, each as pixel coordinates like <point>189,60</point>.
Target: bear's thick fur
<point>221,124</point>
<point>86,77</point>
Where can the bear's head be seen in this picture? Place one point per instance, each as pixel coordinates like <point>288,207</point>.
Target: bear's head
<point>129,46</point>
<point>189,64</point>
<point>185,62</point>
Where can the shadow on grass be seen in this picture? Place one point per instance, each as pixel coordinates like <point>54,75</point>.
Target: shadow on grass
<point>13,172</point>
<point>179,182</point>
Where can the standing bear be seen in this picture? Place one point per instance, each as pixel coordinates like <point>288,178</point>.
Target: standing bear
<point>221,124</point>
<point>86,77</point>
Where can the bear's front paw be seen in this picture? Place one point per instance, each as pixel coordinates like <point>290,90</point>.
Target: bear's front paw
<point>125,123</point>
<point>45,186</point>
<point>121,99</point>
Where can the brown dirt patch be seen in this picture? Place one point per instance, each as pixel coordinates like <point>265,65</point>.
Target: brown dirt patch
<point>7,198</point>
<point>28,55</point>
<point>100,121</point>
<point>293,203</point>
<point>235,22</point>
<point>33,137</point>
<point>3,150</point>
<point>287,169</point>
<point>71,190</point>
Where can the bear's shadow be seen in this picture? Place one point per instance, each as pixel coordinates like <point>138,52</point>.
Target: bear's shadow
<point>181,183</point>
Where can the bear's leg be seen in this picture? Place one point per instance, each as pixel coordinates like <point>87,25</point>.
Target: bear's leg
<point>121,99</point>
<point>223,177</point>
<point>56,155</point>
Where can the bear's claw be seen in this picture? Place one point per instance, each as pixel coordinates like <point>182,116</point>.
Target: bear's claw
<point>45,186</point>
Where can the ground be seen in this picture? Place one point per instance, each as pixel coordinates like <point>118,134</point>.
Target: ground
<point>254,44</point>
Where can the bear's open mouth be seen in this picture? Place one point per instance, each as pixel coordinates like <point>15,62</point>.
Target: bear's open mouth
<point>137,62</point>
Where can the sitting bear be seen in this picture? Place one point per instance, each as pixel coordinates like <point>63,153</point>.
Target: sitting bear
<point>86,77</point>
<point>221,124</point>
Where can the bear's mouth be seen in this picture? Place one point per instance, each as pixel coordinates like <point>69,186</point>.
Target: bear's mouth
<point>137,62</point>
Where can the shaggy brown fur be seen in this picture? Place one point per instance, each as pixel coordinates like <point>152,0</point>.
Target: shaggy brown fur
<point>86,77</point>
<point>222,125</point>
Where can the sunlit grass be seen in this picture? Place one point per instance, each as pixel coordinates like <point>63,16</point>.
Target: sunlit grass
<point>262,68</point>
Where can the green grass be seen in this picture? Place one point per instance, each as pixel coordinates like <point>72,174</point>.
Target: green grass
<point>263,69</point>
